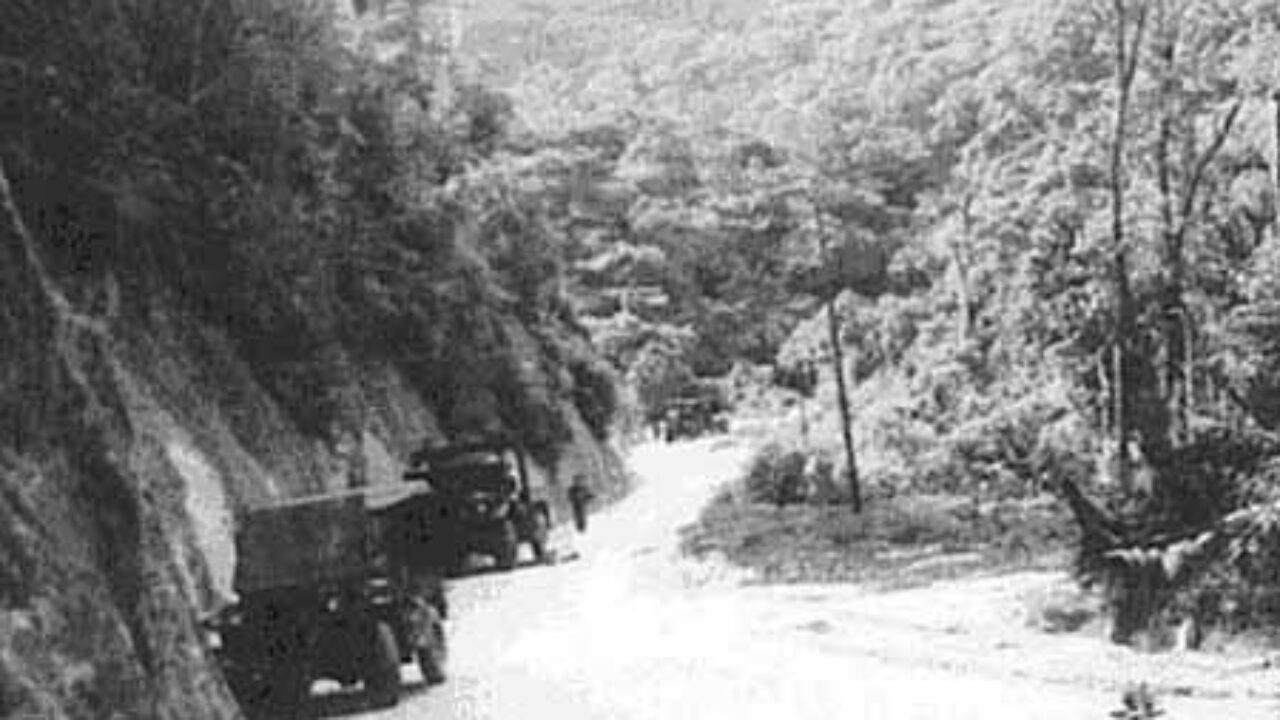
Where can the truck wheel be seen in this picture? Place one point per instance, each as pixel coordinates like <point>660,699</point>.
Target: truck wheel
<point>539,533</point>
<point>456,564</point>
<point>434,651</point>
<point>507,545</point>
<point>383,681</point>
<point>287,689</point>
<point>252,694</point>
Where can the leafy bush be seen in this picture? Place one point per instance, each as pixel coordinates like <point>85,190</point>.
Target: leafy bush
<point>945,432</point>
<point>1241,587</point>
<point>595,393</point>
<point>776,476</point>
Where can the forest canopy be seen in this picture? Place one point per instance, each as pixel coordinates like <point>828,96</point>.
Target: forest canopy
<point>1052,227</point>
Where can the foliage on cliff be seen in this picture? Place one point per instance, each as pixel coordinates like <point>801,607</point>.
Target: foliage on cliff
<point>301,181</point>
<point>240,251</point>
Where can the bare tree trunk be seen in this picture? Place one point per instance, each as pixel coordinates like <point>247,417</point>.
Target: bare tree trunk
<point>1119,362</point>
<point>963,289</point>
<point>846,416</point>
<point>1275,164</point>
<point>837,367</point>
<point>1188,369</point>
<point>1126,57</point>
<point>1173,386</point>
<point>1105,420</point>
<point>1178,327</point>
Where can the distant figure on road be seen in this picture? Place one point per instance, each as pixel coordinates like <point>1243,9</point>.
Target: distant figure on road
<point>579,497</point>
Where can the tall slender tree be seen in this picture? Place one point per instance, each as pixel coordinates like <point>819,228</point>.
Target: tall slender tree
<point>837,369</point>
<point>1127,48</point>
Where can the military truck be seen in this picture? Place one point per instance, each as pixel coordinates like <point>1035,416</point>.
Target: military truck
<point>340,586</point>
<point>694,417</point>
<point>490,508</point>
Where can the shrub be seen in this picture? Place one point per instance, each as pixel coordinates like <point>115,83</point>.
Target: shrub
<point>595,393</point>
<point>1241,589</point>
<point>776,476</point>
<point>904,540</point>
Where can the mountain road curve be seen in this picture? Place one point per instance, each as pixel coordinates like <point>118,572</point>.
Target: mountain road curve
<point>630,630</point>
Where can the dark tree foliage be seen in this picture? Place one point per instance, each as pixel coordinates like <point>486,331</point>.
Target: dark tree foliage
<point>291,183</point>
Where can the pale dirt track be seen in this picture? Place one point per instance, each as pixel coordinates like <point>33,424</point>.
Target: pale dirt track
<point>631,631</point>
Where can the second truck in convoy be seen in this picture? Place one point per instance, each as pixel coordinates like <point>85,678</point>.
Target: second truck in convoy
<point>488,504</point>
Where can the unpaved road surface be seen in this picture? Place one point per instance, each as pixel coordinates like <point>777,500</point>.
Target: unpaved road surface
<point>631,631</point>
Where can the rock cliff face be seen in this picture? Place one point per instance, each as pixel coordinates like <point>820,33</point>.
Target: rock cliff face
<point>127,441</point>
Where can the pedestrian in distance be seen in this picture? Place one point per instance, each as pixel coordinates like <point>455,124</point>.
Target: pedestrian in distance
<point>580,496</point>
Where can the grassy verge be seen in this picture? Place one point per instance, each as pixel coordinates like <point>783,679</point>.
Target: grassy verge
<point>895,543</point>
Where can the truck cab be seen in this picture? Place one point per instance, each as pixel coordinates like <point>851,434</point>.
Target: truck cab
<point>488,503</point>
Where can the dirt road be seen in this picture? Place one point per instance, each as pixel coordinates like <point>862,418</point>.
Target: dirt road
<point>631,631</point>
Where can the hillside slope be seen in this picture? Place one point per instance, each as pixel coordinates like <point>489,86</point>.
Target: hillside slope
<point>1065,213</point>
<point>226,280</point>
<point>129,444</point>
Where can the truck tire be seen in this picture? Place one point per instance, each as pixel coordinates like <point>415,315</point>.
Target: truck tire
<point>455,564</point>
<point>285,691</point>
<point>507,545</point>
<point>539,534</point>
<point>383,681</point>
<point>434,651</point>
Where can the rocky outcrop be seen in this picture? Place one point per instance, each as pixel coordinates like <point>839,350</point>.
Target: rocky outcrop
<point>128,442</point>
<point>100,573</point>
